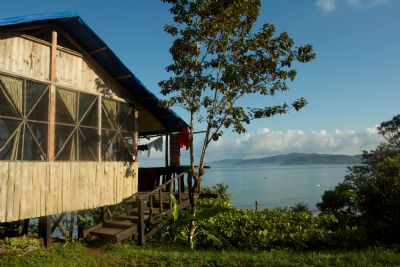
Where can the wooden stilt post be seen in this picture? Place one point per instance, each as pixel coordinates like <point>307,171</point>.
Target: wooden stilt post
<point>45,230</point>
<point>26,227</point>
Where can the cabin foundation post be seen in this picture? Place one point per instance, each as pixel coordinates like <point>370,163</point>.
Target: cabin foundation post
<point>25,227</point>
<point>45,230</point>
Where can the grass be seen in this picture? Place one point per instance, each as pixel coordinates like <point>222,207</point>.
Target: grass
<point>77,254</point>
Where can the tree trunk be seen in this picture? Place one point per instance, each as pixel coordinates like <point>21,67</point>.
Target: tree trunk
<point>192,228</point>
<point>193,208</point>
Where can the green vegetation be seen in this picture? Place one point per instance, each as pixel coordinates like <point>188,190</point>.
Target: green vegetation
<point>77,254</point>
<point>222,227</point>
<point>369,196</point>
<point>30,252</point>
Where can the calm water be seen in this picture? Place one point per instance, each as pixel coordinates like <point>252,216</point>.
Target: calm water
<point>276,185</point>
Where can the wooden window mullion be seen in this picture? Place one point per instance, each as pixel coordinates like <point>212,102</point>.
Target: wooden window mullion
<point>52,102</point>
<point>99,118</point>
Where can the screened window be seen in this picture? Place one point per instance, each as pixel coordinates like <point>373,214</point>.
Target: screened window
<point>118,127</point>
<point>23,119</point>
<point>76,133</point>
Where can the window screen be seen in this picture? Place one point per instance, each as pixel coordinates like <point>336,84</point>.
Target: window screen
<point>118,126</point>
<point>76,134</point>
<point>23,119</point>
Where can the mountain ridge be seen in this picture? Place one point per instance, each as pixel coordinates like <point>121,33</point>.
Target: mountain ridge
<point>294,159</point>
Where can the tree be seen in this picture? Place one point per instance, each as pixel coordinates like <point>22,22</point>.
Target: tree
<point>369,196</point>
<point>218,59</point>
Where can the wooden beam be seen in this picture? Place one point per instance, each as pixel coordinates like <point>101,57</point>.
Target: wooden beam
<point>146,98</point>
<point>99,123</point>
<point>136,137</point>
<point>98,50</point>
<point>52,103</point>
<point>166,154</point>
<point>28,27</point>
<point>123,77</point>
<point>43,42</point>
<point>165,116</point>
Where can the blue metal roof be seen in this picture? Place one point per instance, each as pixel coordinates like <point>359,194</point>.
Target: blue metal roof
<point>88,40</point>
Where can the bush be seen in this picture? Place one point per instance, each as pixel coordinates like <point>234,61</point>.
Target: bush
<point>271,228</point>
<point>369,196</point>
<point>221,226</point>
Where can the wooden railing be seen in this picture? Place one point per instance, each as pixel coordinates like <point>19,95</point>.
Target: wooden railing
<point>172,186</point>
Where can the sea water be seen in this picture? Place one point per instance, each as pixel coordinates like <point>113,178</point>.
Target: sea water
<point>276,185</point>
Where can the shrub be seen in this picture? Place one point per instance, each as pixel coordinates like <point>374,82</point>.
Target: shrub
<point>369,196</point>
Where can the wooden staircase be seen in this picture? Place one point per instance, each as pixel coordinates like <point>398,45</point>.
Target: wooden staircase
<point>148,212</point>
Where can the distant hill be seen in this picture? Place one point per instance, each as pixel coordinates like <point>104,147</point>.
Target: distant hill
<point>293,159</point>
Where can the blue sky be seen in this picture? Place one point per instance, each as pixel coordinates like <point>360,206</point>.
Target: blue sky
<point>351,86</point>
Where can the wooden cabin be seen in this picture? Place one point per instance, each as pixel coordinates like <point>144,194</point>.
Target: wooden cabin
<point>71,114</point>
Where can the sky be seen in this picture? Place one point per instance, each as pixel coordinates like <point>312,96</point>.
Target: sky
<point>351,86</point>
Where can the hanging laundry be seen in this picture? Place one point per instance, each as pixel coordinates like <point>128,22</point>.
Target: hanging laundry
<point>142,147</point>
<point>156,144</point>
<point>184,138</point>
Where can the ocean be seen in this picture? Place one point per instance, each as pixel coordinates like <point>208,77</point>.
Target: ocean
<point>276,185</point>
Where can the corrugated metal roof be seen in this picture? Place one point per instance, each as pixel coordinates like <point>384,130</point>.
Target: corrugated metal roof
<point>88,40</point>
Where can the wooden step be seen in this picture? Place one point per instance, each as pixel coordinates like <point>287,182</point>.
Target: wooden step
<point>117,224</point>
<point>156,210</point>
<point>130,218</point>
<point>113,230</point>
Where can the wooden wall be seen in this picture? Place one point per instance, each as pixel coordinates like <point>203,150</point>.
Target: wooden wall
<point>23,57</point>
<point>34,189</point>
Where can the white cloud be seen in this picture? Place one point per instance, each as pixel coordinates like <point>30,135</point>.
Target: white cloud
<point>331,5</point>
<point>268,142</point>
<point>326,5</point>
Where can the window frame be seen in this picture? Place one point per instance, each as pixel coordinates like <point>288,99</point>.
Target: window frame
<point>24,119</point>
<point>99,127</point>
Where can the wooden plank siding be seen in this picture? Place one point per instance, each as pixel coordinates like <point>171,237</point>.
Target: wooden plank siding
<point>30,189</point>
<point>25,58</point>
<point>35,189</point>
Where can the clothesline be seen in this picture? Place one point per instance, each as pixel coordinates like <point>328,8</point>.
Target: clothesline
<point>163,134</point>
<point>156,144</point>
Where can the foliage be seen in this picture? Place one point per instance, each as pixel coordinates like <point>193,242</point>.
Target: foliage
<point>77,254</point>
<point>218,60</point>
<point>221,226</point>
<point>249,229</point>
<point>300,207</point>
<point>369,196</point>
<point>220,189</point>
<point>126,255</point>
<point>19,245</point>
<point>68,254</point>
<point>11,228</point>
<point>177,230</point>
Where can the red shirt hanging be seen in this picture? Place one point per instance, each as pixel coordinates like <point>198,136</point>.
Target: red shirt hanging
<point>184,138</point>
